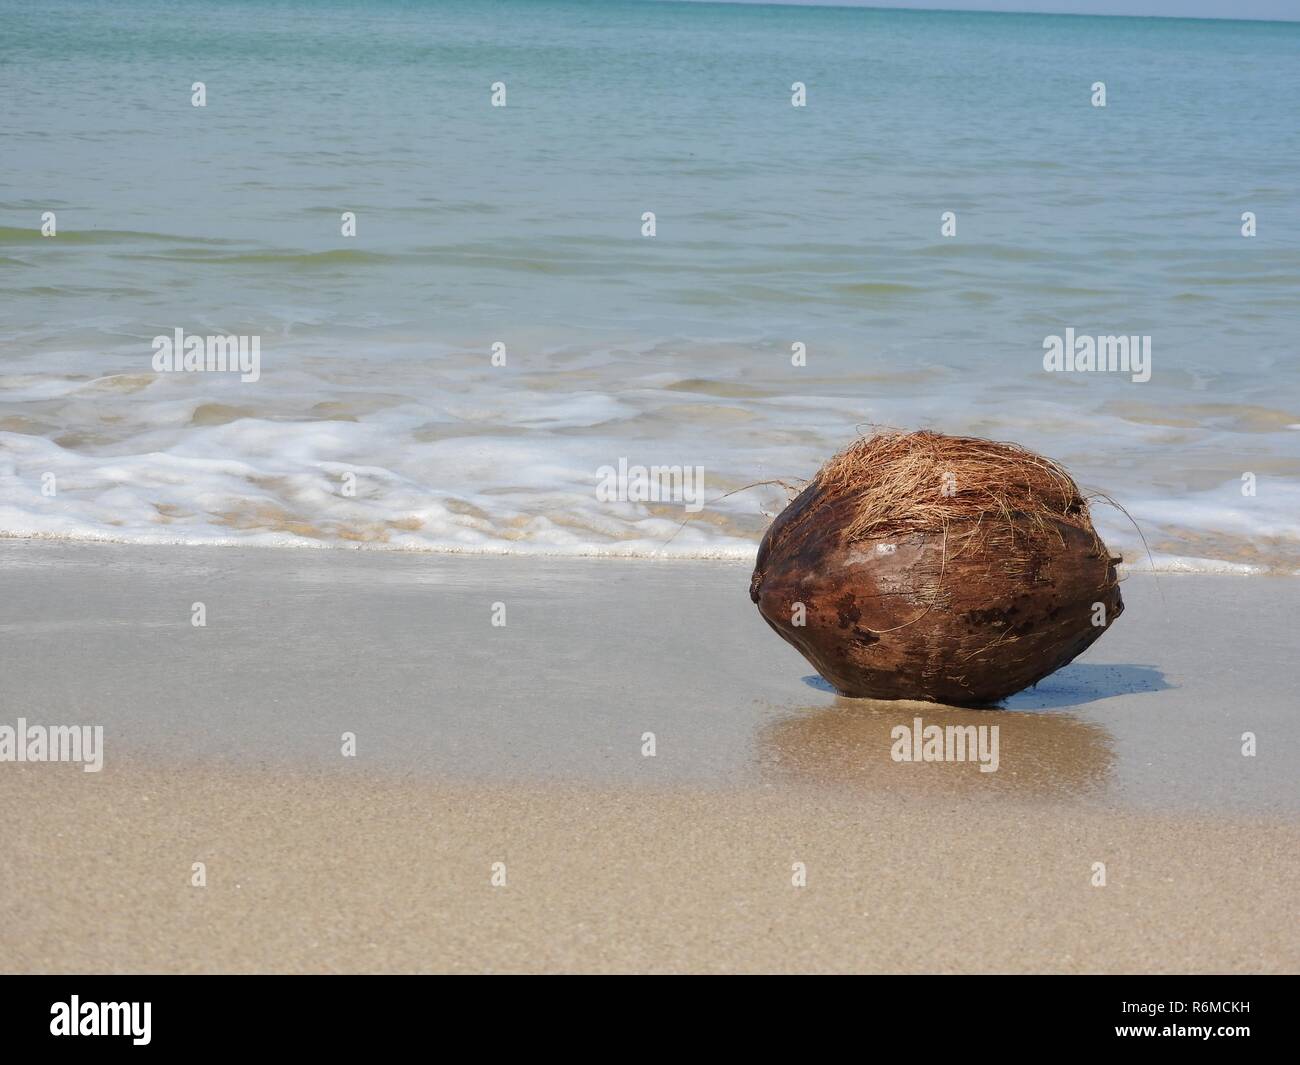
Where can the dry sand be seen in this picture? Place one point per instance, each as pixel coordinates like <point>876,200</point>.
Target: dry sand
<point>222,747</point>
<point>312,873</point>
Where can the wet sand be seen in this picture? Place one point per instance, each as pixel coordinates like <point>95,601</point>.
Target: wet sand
<point>524,744</point>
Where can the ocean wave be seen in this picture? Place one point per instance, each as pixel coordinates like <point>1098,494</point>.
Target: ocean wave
<point>290,259</point>
<point>14,235</point>
<point>458,460</point>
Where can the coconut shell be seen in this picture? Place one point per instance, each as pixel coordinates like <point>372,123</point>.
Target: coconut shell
<point>966,614</point>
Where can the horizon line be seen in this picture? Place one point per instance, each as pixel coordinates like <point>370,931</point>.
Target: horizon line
<point>939,10</point>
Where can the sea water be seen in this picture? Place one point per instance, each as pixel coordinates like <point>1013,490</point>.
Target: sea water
<point>488,250</point>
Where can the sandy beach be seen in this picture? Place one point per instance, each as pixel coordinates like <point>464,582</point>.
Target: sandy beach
<point>340,873</point>
<point>523,745</point>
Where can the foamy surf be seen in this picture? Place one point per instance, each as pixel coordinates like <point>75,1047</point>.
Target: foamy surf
<point>387,454</point>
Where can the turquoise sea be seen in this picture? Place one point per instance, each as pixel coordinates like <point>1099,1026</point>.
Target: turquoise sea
<point>522,225</point>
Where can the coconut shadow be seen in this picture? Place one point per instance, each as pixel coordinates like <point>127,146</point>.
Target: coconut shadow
<point>1073,685</point>
<point>1087,682</point>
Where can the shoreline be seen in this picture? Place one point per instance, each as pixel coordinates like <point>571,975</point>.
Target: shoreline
<point>1160,564</point>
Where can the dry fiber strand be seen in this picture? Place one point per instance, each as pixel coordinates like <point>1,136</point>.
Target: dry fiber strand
<point>933,567</point>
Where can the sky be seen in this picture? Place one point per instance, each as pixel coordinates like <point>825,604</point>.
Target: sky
<point>1240,9</point>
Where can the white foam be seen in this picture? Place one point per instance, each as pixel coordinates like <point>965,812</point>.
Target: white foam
<point>461,457</point>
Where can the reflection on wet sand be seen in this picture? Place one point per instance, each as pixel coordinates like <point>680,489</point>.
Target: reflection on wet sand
<point>850,744</point>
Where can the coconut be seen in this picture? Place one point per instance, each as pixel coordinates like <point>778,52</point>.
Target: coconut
<point>940,568</point>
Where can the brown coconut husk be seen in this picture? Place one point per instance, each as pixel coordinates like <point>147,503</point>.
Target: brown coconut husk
<point>945,568</point>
